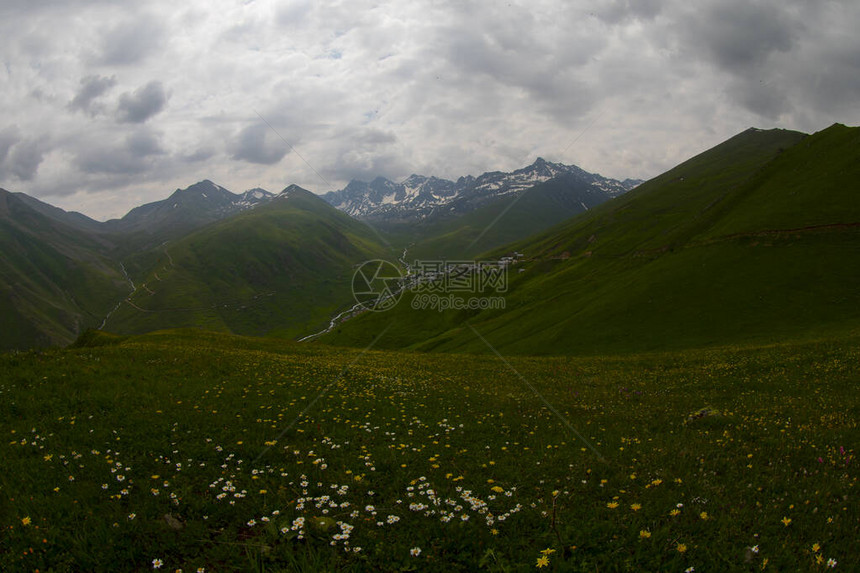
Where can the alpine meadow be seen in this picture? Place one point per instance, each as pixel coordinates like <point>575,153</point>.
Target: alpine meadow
<point>671,385</point>
<point>429,286</point>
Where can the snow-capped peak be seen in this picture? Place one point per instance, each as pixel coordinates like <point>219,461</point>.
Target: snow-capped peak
<point>417,196</point>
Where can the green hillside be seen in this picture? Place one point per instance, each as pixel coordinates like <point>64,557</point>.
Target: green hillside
<point>755,240</point>
<point>206,451</point>
<point>55,279</point>
<point>279,269</point>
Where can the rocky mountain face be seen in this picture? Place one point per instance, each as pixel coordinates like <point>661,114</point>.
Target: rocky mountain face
<point>419,197</point>
<point>188,208</point>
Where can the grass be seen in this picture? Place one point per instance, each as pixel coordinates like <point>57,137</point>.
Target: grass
<point>281,269</point>
<point>205,450</point>
<point>755,241</point>
<point>55,280</point>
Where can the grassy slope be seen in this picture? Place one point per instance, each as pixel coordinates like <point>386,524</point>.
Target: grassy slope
<point>282,268</point>
<point>750,446</point>
<point>55,280</point>
<point>688,259</point>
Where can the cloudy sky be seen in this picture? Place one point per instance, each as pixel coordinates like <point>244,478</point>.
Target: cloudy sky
<point>106,105</point>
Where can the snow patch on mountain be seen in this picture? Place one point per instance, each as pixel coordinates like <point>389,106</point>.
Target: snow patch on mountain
<point>251,198</point>
<point>418,197</point>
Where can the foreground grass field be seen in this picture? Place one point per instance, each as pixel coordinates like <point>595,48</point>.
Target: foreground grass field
<point>209,452</point>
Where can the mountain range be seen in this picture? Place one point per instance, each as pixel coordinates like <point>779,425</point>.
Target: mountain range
<point>250,263</point>
<point>186,209</point>
<point>420,198</point>
<point>754,241</point>
<point>281,268</point>
<point>202,257</point>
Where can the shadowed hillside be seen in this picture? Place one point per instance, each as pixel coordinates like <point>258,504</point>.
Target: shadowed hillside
<point>281,268</point>
<point>756,239</point>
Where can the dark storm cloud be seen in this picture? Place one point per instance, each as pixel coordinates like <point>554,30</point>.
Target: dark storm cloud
<point>771,58</point>
<point>130,156</point>
<point>619,11</point>
<point>350,163</point>
<point>364,153</point>
<point>132,40</point>
<point>627,88</point>
<point>23,8</point>
<point>257,144</point>
<point>24,158</point>
<point>200,155</point>
<point>489,57</point>
<point>9,136</point>
<point>92,87</point>
<point>764,98</point>
<point>143,143</point>
<point>142,104</point>
<point>740,35</point>
<point>374,137</point>
<point>825,76</point>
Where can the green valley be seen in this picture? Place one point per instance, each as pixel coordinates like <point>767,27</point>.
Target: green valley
<point>670,386</point>
<point>56,279</point>
<point>433,286</point>
<point>195,259</point>
<point>281,268</point>
<point>754,241</point>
